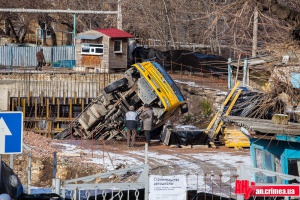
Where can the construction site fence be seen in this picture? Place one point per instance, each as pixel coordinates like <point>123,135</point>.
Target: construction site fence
<point>207,185</point>
<point>210,67</point>
<point>12,56</point>
<point>212,74</point>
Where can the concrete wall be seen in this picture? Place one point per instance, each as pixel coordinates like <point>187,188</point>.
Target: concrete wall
<point>5,86</point>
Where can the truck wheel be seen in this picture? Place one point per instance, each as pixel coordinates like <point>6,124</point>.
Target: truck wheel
<point>115,85</point>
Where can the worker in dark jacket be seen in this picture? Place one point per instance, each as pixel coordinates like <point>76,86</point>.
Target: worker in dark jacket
<point>131,123</point>
<point>147,117</point>
<point>41,59</point>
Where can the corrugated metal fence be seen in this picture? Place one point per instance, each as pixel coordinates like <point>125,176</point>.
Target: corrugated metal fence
<point>25,56</point>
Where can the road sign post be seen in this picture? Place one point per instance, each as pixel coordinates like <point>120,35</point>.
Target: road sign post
<point>11,132</point>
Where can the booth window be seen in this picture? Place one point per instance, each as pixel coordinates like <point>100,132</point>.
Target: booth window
<point>118,46</point>
<point>92,49</point>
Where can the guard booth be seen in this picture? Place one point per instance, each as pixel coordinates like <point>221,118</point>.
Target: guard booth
<point>102,50</point>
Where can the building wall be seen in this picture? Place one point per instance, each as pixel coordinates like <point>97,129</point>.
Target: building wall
<point>33,36</point>
<point>108,61</point>
<point>61,31</point>
<point>5,86</point>
<point>118,60</point>
<point>88,61</point>
<point>106,53</point>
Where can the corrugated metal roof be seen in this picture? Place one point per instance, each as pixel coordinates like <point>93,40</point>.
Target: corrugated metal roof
<point>88,37</point>
<point>115,33</point>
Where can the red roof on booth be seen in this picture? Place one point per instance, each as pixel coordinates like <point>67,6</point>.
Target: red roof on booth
<point>115,33</point>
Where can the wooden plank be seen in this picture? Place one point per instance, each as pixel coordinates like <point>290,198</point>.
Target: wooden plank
<point>212,122</point>
<point>231,93</point>
<point>269,124</point>
<point>217,116</point>
<point>237,118</point>
<point>216,131</point>
<point>275,130</point>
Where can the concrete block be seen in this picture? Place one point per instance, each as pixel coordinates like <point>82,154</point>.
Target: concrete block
<point>200,146</point>
<point>186,147</point>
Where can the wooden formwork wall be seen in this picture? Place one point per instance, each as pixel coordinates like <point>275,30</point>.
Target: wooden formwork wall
<point>51,101</point>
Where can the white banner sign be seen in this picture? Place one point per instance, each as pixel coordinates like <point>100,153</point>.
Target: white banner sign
<point>167,187</point>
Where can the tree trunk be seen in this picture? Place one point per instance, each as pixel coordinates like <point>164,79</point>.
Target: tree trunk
<point>43,27</point>
<point>22,39</point>
<point>53,35</point>
<point>255,28</point>
<point>169,25</point>
<point>13,30</point>
<point>69,33</point>
<point>7,28</point>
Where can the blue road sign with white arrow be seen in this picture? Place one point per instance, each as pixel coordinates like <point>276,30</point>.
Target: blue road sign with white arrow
<point>11,132</point>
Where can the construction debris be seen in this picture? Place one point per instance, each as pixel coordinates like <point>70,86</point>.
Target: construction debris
<point>244,103</point>
<point>183,136</point>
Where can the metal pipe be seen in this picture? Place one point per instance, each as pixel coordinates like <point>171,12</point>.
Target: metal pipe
<point>146,153</point>
<point>119,16</point>
<point>29,173</point>
<point>56,186</point>
<point>229,73</point>
<point>74,28</point>
<point>22,10</point>
<point>245,72</point>
<point>11,163</point>
<point>54,165</point>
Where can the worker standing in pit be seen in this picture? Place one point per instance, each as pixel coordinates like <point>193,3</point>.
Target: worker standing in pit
<point>41,60</point>
<point>131,123</point>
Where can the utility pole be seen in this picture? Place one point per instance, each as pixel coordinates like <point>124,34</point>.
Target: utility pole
<point>74,28</point>
<point>255,27</point>
<point>169,24</point>
<point>119,15</point>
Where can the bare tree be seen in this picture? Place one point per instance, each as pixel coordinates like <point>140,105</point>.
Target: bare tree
<point>225,26</point>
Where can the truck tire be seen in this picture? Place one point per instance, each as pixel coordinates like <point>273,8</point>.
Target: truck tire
<point>115,85</point>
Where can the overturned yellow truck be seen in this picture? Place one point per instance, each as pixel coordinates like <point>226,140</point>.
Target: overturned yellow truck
<point>145,82</point>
